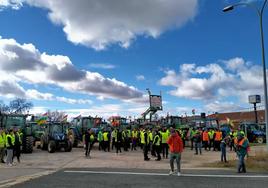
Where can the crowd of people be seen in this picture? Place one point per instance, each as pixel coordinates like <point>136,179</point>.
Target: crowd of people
<point>10,145</point>
<point>155,142</point>
<point>160,143</point>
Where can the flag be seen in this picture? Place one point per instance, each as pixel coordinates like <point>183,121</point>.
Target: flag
<point>64,119</point>
<point>42,119</point>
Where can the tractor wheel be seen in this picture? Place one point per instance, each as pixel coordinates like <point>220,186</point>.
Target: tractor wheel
<point>51,146</point>
<point>28,145</point>
<point>260,140</point>
<point>68,146</point>
<point>43,144</point>
<point>71,136</point>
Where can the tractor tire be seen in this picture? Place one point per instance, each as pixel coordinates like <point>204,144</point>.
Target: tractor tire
<point>72,138</point>
<point>68,146</point>
<point>43,144</point>
<point>51,148</point>
<point>260,140</point>
<point>28,145</point>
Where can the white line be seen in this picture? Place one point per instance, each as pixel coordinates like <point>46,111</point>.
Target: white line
<point>160,174</point>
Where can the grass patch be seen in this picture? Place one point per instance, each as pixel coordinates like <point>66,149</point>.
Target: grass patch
<point>258,163</point>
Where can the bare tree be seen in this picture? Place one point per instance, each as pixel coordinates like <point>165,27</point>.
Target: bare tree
<point>4,108</point>
<point>55,115</point>
<point>20,106</point>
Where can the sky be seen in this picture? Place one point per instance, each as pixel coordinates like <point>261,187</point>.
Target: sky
<point>98,57</point>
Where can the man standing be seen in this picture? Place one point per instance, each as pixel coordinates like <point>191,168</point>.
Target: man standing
<point>164,137</point>
<point>87,143</point>
<point>205,139</point>
<point>17,145</point>
<point>10,140</point>
<point>100,140</point>
<point>113,135</point>
<point>2,145</point>
<point>134,136</point>
<point>146,145</point>
<point>118,141</point>
<point>176,147</point>
<point>156,145</point>
<point>242,145</point>
<point>198,141</point>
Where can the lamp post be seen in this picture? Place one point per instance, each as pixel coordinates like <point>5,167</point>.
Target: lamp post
<point>260,14</point>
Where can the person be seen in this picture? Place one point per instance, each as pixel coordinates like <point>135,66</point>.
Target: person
<point>87,143</point>
<point>164,137</point>
<point>10,140</point>
<point>223,149</point>
<point>217,140</point>
<point>100,140</point>
<point>156,145</point>
<point>146,145</point>
<point>125,139</point>
<point>197,138</point>
<point>211,135</point>
<point>242,145</point>
<point>2,145</point>
<point>17,145</point>
<point>118,141</point>
<point>134,136</point>
<point>114,135</point>
<point>106,141</point>
<point>205,139</point>
<point>142,141</point>
<point>176,147</point>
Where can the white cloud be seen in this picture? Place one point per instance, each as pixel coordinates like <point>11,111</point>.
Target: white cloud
<point>233,77</point>
<point>219,106</point>
<point>24,63</point>
<point>101,66</point>
<point>107,110</point>
<point>140,77</point>
<point>98,24</point>
<point>14,4</point>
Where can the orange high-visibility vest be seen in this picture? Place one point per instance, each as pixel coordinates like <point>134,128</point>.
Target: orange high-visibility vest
<point>205,136</point>
<point>218,136</point>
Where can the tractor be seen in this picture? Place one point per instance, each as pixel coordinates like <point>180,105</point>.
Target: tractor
<point>18,121</point>
<point>55,138</point>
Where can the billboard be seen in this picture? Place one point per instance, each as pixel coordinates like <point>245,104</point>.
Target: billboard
<point>254,99</point>
<point>156,102</point>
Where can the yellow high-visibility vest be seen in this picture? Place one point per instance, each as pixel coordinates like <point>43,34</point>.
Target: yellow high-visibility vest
<point>105,137</point>
<point>142,137</point>
<point>164,137</point>
<point>157,143</point>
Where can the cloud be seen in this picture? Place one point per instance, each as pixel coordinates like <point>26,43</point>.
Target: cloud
<point>14,4</point>
<point>234,77</point>
<point>140,77</point>
<point>11,89</point>
<point>24,63</point>
<point>98,24</point>
<point>107,110</point>
<point>220,106</point>
<point>101,66</point>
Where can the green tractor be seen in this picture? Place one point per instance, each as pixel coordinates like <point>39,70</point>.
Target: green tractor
<point>38,131</point>
<point>55,138</point>
<point>18,121</point>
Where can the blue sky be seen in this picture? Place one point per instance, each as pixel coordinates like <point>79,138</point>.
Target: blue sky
<point>99,58</point>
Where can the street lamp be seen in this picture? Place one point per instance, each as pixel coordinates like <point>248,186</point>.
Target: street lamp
<point>260,14</point>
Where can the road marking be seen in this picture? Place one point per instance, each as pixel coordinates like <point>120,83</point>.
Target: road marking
<point>161,174</point>
<point>21,179</point>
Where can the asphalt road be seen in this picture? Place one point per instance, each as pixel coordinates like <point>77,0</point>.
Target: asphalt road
<point>123,178</point>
